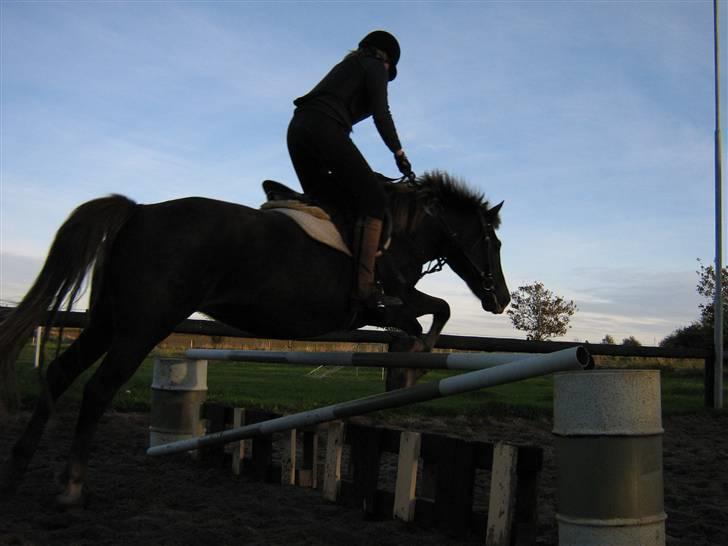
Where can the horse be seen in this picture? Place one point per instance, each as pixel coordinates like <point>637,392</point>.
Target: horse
<point>152,265</point>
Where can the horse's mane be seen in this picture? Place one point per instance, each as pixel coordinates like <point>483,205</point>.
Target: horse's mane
<point>409,203</point>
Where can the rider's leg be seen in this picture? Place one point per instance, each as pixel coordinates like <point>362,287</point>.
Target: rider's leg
<point>366,291</point>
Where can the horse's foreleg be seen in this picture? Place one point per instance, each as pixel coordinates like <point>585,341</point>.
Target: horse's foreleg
<point>416,304</point>
<point>61,373</point>
<point>420,304</point>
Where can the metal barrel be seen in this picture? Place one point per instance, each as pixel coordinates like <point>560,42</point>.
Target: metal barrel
<point>179,387</point>
<point>608,442</point>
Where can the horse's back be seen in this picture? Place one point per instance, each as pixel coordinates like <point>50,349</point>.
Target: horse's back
<point>194,251</point>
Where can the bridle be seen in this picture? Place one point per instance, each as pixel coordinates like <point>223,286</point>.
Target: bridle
<point>434,211</point>
<point>486,277</point>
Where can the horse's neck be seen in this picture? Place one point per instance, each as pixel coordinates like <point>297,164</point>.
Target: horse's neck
<point>421,244</point>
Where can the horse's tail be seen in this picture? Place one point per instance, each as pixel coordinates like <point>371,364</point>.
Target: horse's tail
<point>83,238</point>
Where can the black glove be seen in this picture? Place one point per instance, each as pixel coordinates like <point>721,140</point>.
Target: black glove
<point>404,166</point>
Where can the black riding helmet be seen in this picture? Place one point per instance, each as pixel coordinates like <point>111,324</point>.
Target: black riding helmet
<point>386,42</point>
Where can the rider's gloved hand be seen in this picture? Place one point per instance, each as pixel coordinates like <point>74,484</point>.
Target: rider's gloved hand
<point>403,164</point>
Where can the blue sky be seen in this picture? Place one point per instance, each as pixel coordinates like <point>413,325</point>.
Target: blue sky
<point>593,120</point>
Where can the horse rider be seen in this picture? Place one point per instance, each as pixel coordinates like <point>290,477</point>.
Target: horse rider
<point>319,144</point>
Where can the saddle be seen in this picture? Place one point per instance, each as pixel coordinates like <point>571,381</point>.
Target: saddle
<point>332,228</point>
<point>309,215</point>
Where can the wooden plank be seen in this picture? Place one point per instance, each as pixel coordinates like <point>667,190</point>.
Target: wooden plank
<point>525,519</point>
<point>502,495</point>
<point>407,464</point>
<point>238,452</point>
<point>332,469</point>
<point>288,458</point>
<point>365,457</point>
<point>262,447</point>
<point>454,495</point>
<point>308,474</point>
<point>215,414</point>
<point>428,486</point>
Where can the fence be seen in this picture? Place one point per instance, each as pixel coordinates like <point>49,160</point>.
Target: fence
<point>76,319</point>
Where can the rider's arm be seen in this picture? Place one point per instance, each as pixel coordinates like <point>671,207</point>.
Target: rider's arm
<point>377,79</point>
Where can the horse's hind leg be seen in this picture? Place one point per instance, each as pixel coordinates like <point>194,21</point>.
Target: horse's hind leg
<point>61,372</point>
<point>121,361</point>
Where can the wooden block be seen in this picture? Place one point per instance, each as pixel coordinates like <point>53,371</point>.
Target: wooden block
<point>215,414</point>
<point>525,516</point>
<point>365,457</point>
<point>288,459</point>
<point>502,495</point>
<point>238,453</point>
<point>404,491</point>
<point>332,470</point>
<point>428,486</point>
<point>308,474</point>
<point>454,494</point>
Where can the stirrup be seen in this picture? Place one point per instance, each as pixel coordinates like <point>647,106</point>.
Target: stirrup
<point>377,299</point>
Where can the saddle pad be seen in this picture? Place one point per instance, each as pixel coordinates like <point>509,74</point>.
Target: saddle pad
<point>319,229</point>
<point>318,212</point>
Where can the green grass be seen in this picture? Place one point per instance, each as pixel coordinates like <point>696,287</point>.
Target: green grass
<point>287,388</point>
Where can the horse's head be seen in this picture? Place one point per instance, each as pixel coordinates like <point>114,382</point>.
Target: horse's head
<point>467,241</point>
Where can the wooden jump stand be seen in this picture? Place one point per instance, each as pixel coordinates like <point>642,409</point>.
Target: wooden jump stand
<point>438,495</point>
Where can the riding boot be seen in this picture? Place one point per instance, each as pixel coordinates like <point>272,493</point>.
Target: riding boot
<point>366,291</point>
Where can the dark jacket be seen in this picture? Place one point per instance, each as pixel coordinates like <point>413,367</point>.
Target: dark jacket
<point>353,90</point>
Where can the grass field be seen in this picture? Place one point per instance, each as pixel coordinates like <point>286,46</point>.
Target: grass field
<point>288,388</point>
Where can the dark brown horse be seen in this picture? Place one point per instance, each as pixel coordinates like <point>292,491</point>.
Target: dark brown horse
<point>154,265</point>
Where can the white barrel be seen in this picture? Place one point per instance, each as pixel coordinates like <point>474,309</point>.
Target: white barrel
<point>179,388</point>
<point>608,443</point>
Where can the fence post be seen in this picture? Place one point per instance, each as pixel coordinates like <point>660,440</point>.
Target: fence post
<point>38,339</point>
<point>709,379</point>
<point>238,453</point>
<point>332,472</point>
<point>404,491</point>
<point>502,495</point>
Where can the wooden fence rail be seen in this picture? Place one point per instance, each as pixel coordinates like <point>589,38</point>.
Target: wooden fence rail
<point>76,319</point>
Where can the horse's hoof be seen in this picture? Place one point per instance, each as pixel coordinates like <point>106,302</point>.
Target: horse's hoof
<point>74,497</point>
<point>66,501</point>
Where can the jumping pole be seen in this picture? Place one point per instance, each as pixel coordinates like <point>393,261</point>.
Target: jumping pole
<point>430,361</point>
<point>575,358</point>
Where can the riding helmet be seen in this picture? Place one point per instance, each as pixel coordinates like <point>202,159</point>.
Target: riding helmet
<point>386,42</point>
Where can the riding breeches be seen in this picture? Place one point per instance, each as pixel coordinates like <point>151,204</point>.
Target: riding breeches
<point>319,148</point>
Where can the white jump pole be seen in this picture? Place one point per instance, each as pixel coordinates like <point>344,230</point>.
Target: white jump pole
<point>575,358</point>
<point>431,361</point>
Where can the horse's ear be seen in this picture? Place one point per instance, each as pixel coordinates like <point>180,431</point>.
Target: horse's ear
<point>495,210</point>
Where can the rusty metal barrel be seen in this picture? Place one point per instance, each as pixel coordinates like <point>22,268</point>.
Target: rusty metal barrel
<point>608,442</point>
<point>179,387</point>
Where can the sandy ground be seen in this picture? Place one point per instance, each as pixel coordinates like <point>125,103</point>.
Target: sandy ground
<point>141,500</point>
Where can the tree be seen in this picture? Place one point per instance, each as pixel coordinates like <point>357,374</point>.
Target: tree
<point>706,288</point>
<point>694,336</point>
<point>539,312</point>
<point>699,334</point>
<point>608,340</point>
<point>631,341</point>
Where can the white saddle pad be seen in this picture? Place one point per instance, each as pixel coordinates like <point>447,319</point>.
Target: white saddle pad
<point>313,220</point>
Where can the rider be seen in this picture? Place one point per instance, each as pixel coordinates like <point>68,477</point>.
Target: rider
<point>320,145</point>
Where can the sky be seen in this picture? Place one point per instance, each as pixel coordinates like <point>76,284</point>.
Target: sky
<point>593,120</point>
